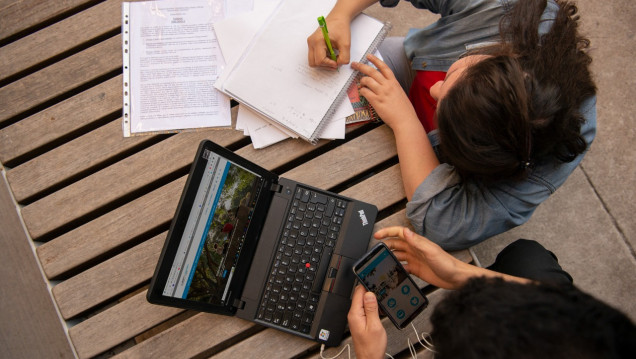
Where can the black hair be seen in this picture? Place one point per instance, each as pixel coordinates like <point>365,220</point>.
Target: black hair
<point>493,318</point>
<point>522,104</point>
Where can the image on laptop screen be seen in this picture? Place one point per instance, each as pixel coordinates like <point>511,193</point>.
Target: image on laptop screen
<point>214,232</point>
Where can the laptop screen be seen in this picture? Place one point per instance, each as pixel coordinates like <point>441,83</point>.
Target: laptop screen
<point>214,233</point>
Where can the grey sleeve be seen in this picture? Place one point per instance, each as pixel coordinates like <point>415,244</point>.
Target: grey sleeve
<point>458,215</point>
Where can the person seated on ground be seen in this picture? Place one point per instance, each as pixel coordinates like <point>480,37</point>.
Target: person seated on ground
<point>505,93</point>
<point>528,308</point>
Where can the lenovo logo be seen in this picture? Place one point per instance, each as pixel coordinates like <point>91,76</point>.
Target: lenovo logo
<point>363,217</point>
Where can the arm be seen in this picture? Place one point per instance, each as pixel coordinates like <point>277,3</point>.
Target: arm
<point>431,263</point>
<point>384,93</point>
<point>338,23</point>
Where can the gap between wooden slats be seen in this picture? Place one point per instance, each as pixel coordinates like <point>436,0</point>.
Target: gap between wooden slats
<point>46,45</point>
<point>379,189</point>
<point>118,180</point>
<point>19,16</point>
<point>77,294</point>
<point>59,80</point>
<point>59,121</point>
<point>72,159</point>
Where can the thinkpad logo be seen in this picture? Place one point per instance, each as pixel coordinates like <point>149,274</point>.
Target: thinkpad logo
<point>363,217</point>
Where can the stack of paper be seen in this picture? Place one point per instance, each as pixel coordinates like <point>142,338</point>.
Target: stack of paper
<point>234,34</point>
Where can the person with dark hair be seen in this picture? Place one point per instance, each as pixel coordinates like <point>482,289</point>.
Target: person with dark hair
<point>500,110</point>
<point>523,306</point>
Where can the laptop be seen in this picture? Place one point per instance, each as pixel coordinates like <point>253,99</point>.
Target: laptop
<point>247,243</point>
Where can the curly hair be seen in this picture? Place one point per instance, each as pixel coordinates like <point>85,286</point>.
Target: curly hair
<point>493,318</point>
<point>520,105</point>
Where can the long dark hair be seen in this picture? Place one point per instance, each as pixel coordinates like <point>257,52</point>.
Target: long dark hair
<point>522,104</point>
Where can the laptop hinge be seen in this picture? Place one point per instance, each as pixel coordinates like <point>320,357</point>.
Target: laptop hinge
<point>276,188</point>
<point>238,304</point>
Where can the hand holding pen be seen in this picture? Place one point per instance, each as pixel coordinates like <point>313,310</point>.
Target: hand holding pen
<point>339,36</point>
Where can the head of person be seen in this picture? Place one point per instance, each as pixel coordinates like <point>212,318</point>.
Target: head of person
<point>493,318</point>
<point>506,107</point>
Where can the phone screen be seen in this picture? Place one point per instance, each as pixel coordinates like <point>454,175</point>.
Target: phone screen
<point>398,295</point>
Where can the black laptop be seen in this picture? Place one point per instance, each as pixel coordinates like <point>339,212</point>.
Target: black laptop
<point>267,249</point>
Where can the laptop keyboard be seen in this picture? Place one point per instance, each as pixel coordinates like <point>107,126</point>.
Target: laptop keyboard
<point>293,287</point>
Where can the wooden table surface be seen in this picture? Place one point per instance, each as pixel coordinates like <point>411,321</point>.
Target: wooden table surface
<point>97,206</point>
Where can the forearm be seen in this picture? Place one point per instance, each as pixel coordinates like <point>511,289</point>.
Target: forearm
<point>467,271</point>
<point>350,8</point>
<point>415,153</point>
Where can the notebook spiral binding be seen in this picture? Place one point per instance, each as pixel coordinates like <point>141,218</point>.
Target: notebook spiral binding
<point>332,109</point>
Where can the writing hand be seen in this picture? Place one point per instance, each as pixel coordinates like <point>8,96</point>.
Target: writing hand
<point>367,332</point>
<point>340,36</point>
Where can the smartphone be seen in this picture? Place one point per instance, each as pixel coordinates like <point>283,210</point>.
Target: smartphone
<point>400,298</point>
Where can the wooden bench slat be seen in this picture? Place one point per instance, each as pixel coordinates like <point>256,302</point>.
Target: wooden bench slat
<point>69,159</point>
<point>110,278</point>
<point>77,29</point>
<point>190,338</point>
<point>113,182</point>
<point>60,78</point>
<point>67,116</point>
<point>384,189</point>
<point>268,344</point>
<point>109,231</point>
<point>20,15</point>
<point>117,324</point>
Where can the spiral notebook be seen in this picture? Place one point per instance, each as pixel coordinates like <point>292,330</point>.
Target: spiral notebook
<point>274,79</point>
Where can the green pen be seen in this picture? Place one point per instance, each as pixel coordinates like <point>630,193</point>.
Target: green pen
<point>325,34</point>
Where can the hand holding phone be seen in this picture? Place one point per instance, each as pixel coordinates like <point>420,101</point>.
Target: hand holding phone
<point>380,272</point>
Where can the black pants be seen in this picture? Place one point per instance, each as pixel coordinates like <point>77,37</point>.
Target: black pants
<point>529,259</point>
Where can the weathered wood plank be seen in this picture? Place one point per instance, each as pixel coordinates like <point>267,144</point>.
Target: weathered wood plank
<point>20,15</point>
<point>118,324</point>
<point>77,29</point>
<point>109,279</point>
<point>269,343</point>
<point>60,78</point>
<point>60,119</point>
<point>117,180</point>
<point>71,158</point>
<point>190,338</point>
<point>110,231</point>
